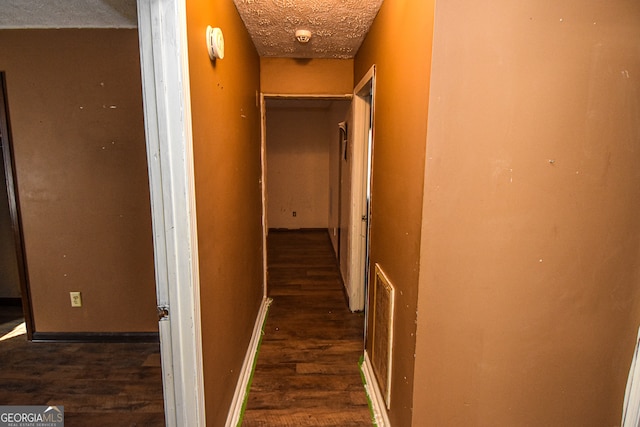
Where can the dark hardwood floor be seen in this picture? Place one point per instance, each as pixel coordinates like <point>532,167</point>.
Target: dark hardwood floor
<point>98,384</point>
<point>307,372</point>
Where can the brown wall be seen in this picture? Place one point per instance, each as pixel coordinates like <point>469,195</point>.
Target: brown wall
<point>306,76</point>
<point>301,141</point>
<point>400,130</point>
<point>298,167</point>
<point>532,218</point>
<point>226,138</point>
<point>76,114</point>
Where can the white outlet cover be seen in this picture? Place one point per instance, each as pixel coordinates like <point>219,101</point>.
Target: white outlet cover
<point>76,299</point>
<point>215,43</point>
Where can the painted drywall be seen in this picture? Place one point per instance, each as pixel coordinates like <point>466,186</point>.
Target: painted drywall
<point>75,107</point>
<point>306,76</point>
<point>400,129</point>
<point>9,277</point>
<point>226,149</point>
<point>298,167</point>
<point>528,308</point>
<point>299,140</point>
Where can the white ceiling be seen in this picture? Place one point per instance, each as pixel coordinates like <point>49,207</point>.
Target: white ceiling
<point>337,26</point>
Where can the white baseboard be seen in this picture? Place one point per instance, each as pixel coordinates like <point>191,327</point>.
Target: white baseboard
<point>378,406</point>
<point>247,366</point>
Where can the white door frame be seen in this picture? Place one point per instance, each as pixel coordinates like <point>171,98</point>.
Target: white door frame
<point>263,153</point>
<point>167,113</point>
<point>363,111</point>
<point>263,182</point>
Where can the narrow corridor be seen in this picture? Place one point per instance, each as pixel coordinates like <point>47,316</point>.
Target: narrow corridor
<point>307,372</point>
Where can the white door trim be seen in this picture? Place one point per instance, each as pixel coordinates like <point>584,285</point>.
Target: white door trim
<point>358,227</point>
<point>167,112</point>
<point>264,165</point>
<point>265,201</point>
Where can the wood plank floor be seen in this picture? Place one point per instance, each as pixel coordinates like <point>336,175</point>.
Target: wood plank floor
<point>307,372</point>
<point>98,384</point>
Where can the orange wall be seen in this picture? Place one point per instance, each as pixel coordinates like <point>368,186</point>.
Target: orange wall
<point>226,138</point>
<point>75,107</point>
<point>531,234</point>
<point>306,76</point>
<point>400,131</point>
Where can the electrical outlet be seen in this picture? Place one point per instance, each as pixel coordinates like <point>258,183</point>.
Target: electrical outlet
<point>295,213</point>
<point>76,299</point>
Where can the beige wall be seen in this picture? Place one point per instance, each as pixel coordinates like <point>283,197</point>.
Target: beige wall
<point>398,160</point>
<point>306,76</point>
<point>301,140</point>
<point>298,167</point>
<point>226,133</point>
<point>528,302</point>
<point>76,115</point>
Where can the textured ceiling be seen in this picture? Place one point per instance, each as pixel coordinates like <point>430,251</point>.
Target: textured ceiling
<point>68,14</point>
<point>337,26</point>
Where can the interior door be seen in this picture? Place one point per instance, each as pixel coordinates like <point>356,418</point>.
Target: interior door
<point>363,109</point>
<point>9,276</point>
<point>12,263</point>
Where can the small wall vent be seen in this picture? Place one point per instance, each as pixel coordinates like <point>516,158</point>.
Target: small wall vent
<point>382,340</point>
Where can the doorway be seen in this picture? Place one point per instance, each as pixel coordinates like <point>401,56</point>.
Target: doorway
<point>14,293</point>
<point>303,165</point>
<point>310,327</point>
<point>360,216</point>
<point>349,192</point>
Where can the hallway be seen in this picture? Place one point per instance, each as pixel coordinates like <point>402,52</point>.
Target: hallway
<point>307,371</point>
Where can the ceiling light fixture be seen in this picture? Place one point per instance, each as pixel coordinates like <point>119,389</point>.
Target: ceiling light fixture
<point>303,36</point>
